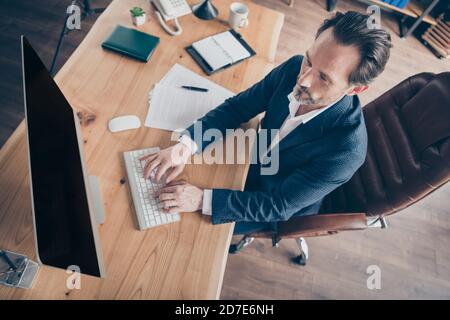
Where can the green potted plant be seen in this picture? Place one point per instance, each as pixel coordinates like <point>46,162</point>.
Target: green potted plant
<point>137,16</point>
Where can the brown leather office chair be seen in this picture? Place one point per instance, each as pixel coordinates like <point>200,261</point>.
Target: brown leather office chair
<point>408,157</point>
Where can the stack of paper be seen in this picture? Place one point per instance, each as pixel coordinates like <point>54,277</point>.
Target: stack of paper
<point>174,108</point>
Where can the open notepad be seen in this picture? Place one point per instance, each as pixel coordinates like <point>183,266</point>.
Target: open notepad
<point>174,108</point>
<point>220,51</point>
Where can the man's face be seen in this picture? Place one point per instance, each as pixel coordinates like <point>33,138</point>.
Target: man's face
<point>325,71</point>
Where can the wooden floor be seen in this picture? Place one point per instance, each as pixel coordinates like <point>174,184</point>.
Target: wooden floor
<point>413,253</point>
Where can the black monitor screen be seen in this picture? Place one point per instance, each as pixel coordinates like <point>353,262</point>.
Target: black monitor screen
<point>63,225</point>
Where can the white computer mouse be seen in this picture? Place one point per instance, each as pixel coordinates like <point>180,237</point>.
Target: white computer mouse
<point>123,123</point>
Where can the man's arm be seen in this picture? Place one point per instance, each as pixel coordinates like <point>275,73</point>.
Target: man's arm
<point>229,115</point>
<point>241,108</point>
<point>302,188</point>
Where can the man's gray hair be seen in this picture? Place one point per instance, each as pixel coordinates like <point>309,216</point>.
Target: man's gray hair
<point>374,45</point>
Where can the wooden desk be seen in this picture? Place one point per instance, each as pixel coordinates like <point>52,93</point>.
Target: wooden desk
<point>185,260</point>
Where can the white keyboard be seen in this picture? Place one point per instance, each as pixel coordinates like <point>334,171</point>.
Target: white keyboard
<point>146,206</point>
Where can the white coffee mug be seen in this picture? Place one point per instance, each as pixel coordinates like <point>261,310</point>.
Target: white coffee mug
<point>238,15</point>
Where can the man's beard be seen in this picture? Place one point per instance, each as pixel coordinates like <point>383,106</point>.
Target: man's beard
<point>303,96</point>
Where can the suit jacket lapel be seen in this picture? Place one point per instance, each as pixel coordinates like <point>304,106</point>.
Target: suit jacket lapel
<point>305,132</point>
<point>275,119</point>
<point>314,128</point>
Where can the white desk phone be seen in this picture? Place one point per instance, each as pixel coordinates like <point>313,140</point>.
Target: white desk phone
<point>168,10</point>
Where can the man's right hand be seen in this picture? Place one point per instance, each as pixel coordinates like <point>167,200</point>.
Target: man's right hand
<point>170,161</point>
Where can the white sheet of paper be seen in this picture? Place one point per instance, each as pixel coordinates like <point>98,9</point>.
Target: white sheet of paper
<point>174,108</point>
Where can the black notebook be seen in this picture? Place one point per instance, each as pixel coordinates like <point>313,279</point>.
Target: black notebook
<point>132,43</point>
<point>220,51</point>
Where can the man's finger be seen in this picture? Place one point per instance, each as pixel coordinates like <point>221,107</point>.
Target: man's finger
<point>150,167</point>
<point>167,189</point>
<point>148,156</point>
<point>150,163</point>
<point>161,170</point>
<point>166,196</point>
<point>172,210</point>
<point>168,204</point>
<point>176,183</point>
<point>174,173</point>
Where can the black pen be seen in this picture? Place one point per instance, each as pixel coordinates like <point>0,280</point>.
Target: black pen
<point>195,88</point>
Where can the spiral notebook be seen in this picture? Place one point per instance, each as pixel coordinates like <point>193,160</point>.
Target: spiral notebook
<point>220,51</point>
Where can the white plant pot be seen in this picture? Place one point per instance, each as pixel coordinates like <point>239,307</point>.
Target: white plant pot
<point>138,21</point>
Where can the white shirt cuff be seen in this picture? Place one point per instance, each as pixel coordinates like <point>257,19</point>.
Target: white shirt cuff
<point>188,142</point>
<point>207,202</point>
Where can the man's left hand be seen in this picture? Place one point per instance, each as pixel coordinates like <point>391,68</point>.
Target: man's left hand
<point>180,196</point>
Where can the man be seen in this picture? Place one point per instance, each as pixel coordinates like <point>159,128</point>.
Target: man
<point>322,138</point>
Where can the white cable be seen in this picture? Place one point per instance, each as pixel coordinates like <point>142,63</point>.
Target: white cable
<point>176,32</point>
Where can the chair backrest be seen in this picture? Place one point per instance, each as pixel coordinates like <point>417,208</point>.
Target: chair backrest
<point>408,153</point>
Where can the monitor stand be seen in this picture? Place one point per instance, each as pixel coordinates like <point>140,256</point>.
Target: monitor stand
<point>96,198</point>
<point>16,270</point>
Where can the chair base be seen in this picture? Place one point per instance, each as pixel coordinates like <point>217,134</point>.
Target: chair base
<point>304,252</point>
<point>245,241</point>
<point>301,243</point>
<point>300,259</point>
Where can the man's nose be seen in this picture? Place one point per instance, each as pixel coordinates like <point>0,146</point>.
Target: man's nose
<point>305,79</point>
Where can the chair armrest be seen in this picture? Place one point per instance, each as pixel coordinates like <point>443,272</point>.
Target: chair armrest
<point>321,224</point>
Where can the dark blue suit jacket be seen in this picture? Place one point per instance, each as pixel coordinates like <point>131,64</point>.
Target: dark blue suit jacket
<point>314,159</point>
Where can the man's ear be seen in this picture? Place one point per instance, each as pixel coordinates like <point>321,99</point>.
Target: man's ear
<point>357,90</point>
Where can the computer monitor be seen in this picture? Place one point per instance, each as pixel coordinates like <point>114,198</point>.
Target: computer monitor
<point>66,227</point>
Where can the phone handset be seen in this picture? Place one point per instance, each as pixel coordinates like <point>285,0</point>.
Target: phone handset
<point>166,7</point>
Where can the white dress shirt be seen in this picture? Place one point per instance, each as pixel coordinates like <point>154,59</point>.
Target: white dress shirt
<point>292,121</point>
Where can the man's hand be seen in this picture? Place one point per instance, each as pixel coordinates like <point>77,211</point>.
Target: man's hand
<point>170,161</point>
<point>180,196</point>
